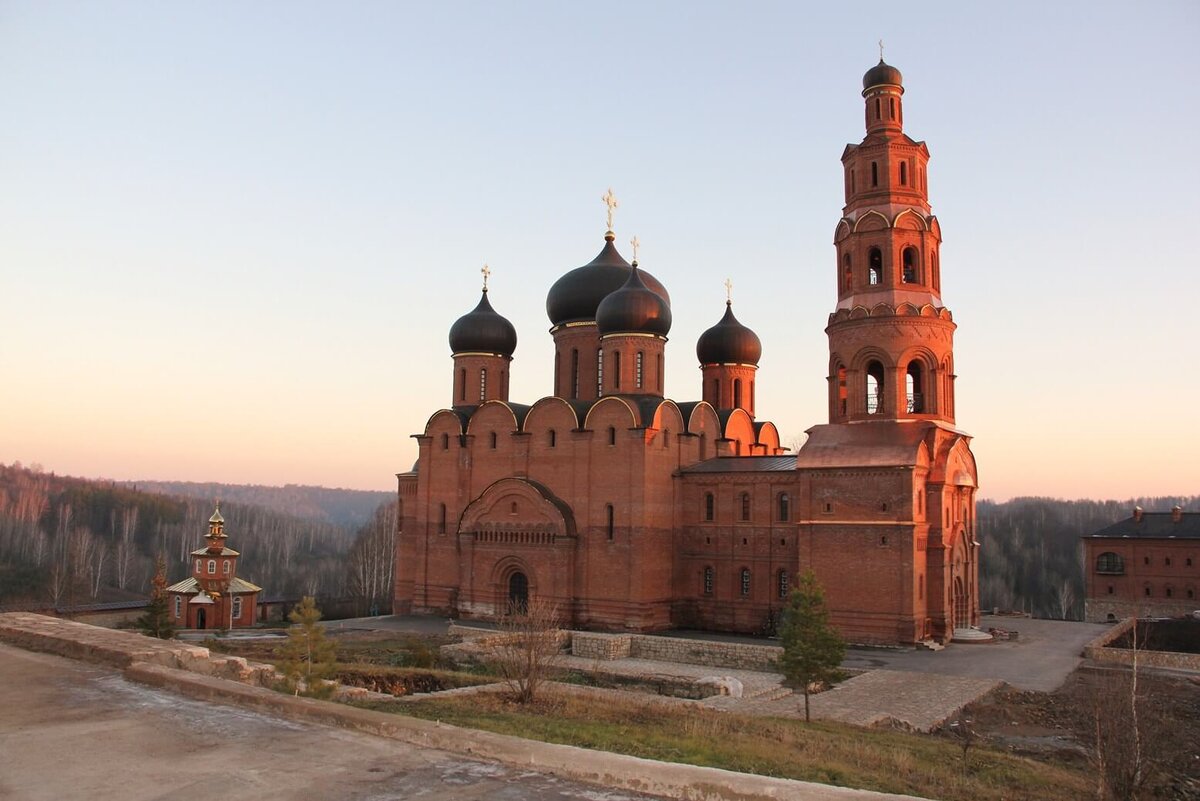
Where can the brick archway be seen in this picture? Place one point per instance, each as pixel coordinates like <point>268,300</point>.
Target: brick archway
<point>516,527</point>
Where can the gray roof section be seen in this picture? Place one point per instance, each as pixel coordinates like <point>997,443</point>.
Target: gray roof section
<point>744,464</point>
<point>1155,525</point>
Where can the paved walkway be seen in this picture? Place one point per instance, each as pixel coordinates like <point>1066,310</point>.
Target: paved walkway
<point>74,730</point>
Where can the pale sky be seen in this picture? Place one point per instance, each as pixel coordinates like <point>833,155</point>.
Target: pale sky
<point>233,235</point>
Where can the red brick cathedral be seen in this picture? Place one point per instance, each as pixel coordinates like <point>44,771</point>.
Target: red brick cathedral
<point>634,512</point>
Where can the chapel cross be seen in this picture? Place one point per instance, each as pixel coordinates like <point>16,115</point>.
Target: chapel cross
<point>610,200</point>
<point>880,51</point>
<point>486,272</point>
<point>728,291</point>
<point>637,243</point>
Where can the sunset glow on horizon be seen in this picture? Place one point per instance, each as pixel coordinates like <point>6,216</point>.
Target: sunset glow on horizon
<point>233,238</point>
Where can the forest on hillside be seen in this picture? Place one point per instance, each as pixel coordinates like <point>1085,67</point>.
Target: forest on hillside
<point>1031,557</point>
<point>341,507</point>
<point>68,541</point>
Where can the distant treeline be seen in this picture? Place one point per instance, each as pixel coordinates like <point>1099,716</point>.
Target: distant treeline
<point>67,541</point>
<point>1031,557</point>
<point>342,507</point>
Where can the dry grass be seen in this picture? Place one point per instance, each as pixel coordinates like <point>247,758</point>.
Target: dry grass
<point>830,753</point>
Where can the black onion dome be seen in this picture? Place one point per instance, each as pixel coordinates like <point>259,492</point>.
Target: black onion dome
<point>577,295</point>
<point>882,74</point>
<point>483,331</point>
<point>634,309</point>
<point>729,342</point>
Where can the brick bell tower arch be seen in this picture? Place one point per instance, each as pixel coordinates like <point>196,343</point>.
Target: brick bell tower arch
<point>517,543</point>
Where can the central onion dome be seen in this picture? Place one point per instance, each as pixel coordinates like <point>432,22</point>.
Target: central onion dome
<point>882,74</point>
<point>729,342</point>
<point>634,309</point>
<point>576,296</point>
<point>482,330</point>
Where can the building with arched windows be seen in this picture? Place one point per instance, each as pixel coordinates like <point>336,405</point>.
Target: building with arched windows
<point>214,596</point>
<point>632,511</point>
<point>1147,565</point>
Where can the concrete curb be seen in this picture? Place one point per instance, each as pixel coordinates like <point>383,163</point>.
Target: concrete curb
<point>671,780</point>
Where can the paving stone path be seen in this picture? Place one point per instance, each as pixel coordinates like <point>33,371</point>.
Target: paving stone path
<point>918,701</point>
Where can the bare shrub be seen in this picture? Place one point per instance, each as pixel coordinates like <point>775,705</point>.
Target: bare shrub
<point>529,648</point>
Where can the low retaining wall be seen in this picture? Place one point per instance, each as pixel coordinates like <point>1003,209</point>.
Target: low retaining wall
<point>739,656</point>
<point>1101,650</point>
<point>161,663</point>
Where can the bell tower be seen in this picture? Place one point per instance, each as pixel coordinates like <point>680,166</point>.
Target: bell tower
<point>890,338</point>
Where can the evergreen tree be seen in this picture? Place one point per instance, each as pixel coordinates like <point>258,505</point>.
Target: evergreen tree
<point>308,659</point>
<point>812,648</point>
<point>156,621</point>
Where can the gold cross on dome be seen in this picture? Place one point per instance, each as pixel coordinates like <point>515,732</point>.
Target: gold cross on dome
<point>728,291</point>
<point>881,50</point>
<point>610,200</point>
<point>637,243</point>
<point>486,272</point>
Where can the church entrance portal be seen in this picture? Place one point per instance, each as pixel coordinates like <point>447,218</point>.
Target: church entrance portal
<point>518,591</point>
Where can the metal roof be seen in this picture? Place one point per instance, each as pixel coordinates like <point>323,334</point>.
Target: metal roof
<point>1155,525</point>
<point>236,585</point>
<point>744,464</point>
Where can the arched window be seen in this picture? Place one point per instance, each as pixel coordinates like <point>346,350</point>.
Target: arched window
<point>909,260</point>
<point>212,566</point>
<point>914,387</point>
<point>574,373</point>
<point>737,392</point>
<point>708,581</point>
<point>785,507</point>
<point>874,387</point>
<point>937,278</point>
<point>875,169</point>
<point>608,511</point>
<point>852,188</point>
<point>612,436</point>
<point>783,582</point>
<point>199,565</point>
<point>878,114</point>
<point>178,606</point>
<point>442,519</point>
<point>483,383</point>
<point>874,266</point>
<point>752,395</point>
<point>847,274</point>
<point>660,374</point>
<point>599,372</point>
<point>616,369</point>
<point>1109,562</point>
<point>445,442</point>
<point>892,109</point>
<point>557,371</point>
<point>716,392</point>
<point>493,440</point>
<point>225,564</point>
<point>637,369</point>
<point>237,607</point>
<point>842,396</point>
<point>745,581</point>
<point>710,506</point>
<point>553,438</point>
<point>745,506</point>
<point>903,173</point>
<point>462,384</point>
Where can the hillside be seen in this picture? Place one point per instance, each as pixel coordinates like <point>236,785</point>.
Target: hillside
<point>67,540</point>
<point>342,507</point>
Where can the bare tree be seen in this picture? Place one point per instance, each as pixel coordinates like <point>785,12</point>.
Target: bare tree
<point>528,648</point>
<point>1064,596</point>
<point>372,558</point>
<point>126,549</point>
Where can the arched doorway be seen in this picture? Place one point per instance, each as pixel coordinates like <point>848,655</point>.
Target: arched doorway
<point>518,591</point>
<point>961,611</point>
<point>201,619</point>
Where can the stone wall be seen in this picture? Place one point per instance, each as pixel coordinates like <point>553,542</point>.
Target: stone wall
<point>1100,650</point>
<point>1097,610</point>
<point>672,649</point>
